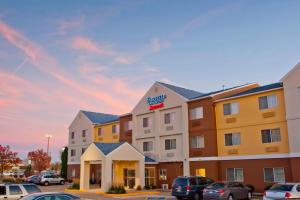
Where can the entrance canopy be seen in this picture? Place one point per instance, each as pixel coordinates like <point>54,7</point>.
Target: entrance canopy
<point>121,164</point>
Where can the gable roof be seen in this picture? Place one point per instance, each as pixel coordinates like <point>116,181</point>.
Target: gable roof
<point>290,72</point>
<point>100,118</point>
<point>257,90</point>
<point>106,148</point>
<point>187,93</point>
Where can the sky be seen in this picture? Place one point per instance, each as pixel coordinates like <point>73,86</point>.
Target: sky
<point>59,57</point>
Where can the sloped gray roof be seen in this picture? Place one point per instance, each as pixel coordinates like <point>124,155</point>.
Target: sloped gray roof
<point>106,148</point>
<point>149,160</point>
<point>187,93</point>
<point>100,118</point>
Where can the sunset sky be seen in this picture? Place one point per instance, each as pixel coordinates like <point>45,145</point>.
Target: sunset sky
<point>57,57</point>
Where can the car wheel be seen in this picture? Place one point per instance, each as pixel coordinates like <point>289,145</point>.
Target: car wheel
<point>230,197</point>
<point>249,196</point>
<point>46,183</point>
<point>62,182</point>
<point>196,196</point>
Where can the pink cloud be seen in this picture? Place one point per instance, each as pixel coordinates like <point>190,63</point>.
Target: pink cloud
<point>66,25</point>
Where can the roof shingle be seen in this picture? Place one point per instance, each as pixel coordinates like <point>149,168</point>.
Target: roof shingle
<point>100,118</point>
<point>106,148</point>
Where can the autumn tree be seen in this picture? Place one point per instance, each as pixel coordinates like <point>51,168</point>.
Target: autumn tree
<point>40,160</point>
<point>7,159</point>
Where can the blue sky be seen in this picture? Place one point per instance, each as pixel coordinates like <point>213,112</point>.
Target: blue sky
<point>55,55</point>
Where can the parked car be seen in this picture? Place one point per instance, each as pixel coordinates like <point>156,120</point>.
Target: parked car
<point>227,190</point>
<point>189,187</point>
<point>47,179</point>
<point>32,179</point>
<point>17,191</point>
<point>51,196</point>
<point>283,191</point>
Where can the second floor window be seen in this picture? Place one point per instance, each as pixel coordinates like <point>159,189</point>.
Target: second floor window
<point>128,126</point>
<point>100,132</point>
<point>196,113</point>
<point>73,135</point>
<point>147,146</point>
<point>83,133</point>
<point>170,144</point>
<point>231,108</point>
<point>270,135</point>
<point>73,152</point>
<point>115,128</point>
<point>197,142</point>
<point>232,139</point>
<point>267,102</point>
<point>147,121</point>
<point>169,118</point>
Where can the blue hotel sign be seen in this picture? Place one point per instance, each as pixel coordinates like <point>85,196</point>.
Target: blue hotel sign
<point>156,102</point>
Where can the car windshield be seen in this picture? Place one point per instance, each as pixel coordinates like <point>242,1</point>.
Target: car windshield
<point>31,189</point>
<point>216,186</point>
<point>281,187</point>
<point>180,181</point>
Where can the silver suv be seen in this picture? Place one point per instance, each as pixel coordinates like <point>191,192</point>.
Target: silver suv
<point>47,179</point>
<point>17,191</point>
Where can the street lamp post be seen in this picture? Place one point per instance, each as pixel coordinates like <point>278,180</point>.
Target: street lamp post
<point>48,140</point>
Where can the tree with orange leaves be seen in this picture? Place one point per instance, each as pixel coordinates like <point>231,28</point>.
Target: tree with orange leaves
<point>8,159</point>
<point>40,160</point>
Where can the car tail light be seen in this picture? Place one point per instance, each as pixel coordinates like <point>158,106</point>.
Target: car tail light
<point>221,191</point>
<point>188,188</point>
<point>288,195</point>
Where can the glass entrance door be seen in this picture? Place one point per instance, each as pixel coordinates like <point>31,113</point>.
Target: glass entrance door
<point>129,178</point>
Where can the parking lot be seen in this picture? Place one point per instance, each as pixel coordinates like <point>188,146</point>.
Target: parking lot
<point>90,195</point>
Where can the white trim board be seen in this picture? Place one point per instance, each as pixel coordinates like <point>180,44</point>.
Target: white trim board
<point>248,157</point>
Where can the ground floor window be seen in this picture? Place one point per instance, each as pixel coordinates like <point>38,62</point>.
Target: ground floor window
<point>129,178</point>
<point>235,174</point>
<point>201,172</point>
<point>73,172</point>
<point>149,176</point>
<point>163,174</point>
<point>274,174</point>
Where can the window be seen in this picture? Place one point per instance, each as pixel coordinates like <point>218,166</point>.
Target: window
<point>270,135</point>
<point>298,188</point>
<point>147,122</point>
<point>115,128</point>
<point>267,102</point>
<point>73,172</point>
<point>82,150</point>
<point>73,152</point>
<point>163,174</point>
<point>83,133</point>
<point>169,118</point>
<point>72,135</point>
<point>197,142</point>
<point>170,144</point>
<point>128,126</point>
<point>232,139</point>
<point>196,113</point>
<point>231,108</point>
<point>150,176</point>
<point>63,197</point>
<point>31,189</point>
<point>274,174</point>
<point>100,132</point>
<point>201,172</point>
<point>147,146</point>
<point>235,174</point>
<point>14,190</point>
<point>2,190</point>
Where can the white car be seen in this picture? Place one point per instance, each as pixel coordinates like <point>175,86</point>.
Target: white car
<point>48,179</point>
<point>17,191</point>
<point>283,191</point>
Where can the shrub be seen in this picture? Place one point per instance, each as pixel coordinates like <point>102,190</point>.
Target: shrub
<point>252,188</point>
<point>76,180</point>
<point>75,186</point>
<point>116,190</point>
<point>139,188</point>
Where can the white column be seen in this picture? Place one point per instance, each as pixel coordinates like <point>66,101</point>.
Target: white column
<point>140,173</point>
<point>107,175</point>
<point>84,175</point>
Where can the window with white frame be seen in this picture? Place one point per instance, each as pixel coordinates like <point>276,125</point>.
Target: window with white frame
<point>73,152</point>
<point>163,174</point>
<point>169,118</point>
<point>148,146</point>
<point>170,144</point>
<point>235,174</point>
<point>100,132</point>
<point>231,108</point>
<point>232,139</point>
<point>197,142</point>
<point>115,128</point>
<point>73,135</point>
<point>150,176</point>
<point>147,122</point>
<point>274,174</point>
<point>128,125</point>
<point>267,102</point>
<point>196,113</point>
<point>270,135</point>
<point>83,133</point>
<point>73,172</point>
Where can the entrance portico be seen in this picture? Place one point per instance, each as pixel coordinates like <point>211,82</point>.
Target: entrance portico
<point>120,164</point>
